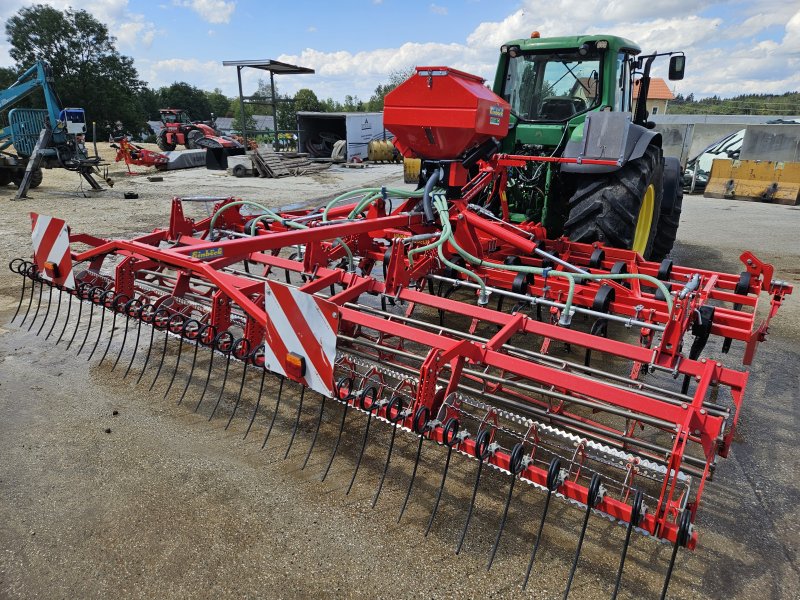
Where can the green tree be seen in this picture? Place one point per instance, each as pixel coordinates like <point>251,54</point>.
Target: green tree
<point>150,103</point>
<point>375,103</point>
<point>188,97</point>
<point>219,102</point>
<point>87,68</point>
<point>306,100</point>
<point>235,109</point>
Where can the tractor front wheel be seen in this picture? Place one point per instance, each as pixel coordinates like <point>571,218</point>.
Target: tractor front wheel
<point>622,208</point>
<point>162,142</point>
<point>192,137</point>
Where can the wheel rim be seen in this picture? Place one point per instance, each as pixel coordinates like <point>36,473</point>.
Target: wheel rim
<point>644,222</point>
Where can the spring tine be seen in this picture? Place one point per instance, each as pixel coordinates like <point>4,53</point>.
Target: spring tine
<point>99,331</point>
<point>451,438</point>
<point>135,346</point>
<point>420,425</point>
<point>385,466</point>
<point>124,339</point>
<point>160,362</point>
<point>55,317</point>
<point>46,312</point>
<point>258,402</point>
<point>275,414</point>
<point>208,378</point>
<point>372,407</point>
<point>22,292</point>
<point>360,453</point>
<point>502,523</point>
<point>77,323</point>
<point>338,438</point>
<point>88,326</point>
<point>554,480</point>
<point>515,466</point>
<point>66,319</point>
<point>239,395</point>
<point>110,335</point>
<point>316,432</point>
<point>30,299</point>
<point>149,350</point>
<point>175,370</point>
<point>441,489</point>
<point>684,534</point>
<point>222,387</point>
<point>636,513</point>
<point>471,507</point>
<point>191,371</point>
<point>413,476</point>
<point>593,497</point>
<point>400,416</point>
<point>538,539</point>
<point>482,451</point>
<point>296,421</point>
<point>38,306</point>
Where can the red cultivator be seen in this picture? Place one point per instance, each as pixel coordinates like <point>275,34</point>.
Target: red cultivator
<point>576,368</point>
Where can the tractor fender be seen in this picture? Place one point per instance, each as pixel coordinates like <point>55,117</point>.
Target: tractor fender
<point>607,136</point>
<point>673,175</point>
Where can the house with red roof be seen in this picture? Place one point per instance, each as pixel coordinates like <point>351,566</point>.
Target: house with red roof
<point>658,96</point>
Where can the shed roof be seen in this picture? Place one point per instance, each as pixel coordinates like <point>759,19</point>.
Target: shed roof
<point>270,65</point>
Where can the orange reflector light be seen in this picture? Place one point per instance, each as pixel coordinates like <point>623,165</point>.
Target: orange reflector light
<point>51,268</point>
<point>535,34</point>
<point>295,365</point>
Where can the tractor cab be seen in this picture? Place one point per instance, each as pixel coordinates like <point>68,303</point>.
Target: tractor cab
<point>553,83</point>
<point>178,116</point>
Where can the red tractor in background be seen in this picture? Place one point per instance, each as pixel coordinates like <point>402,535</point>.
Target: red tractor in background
<point>180,129</point>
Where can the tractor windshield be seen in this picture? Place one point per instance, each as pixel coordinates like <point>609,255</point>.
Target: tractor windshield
<point>554,86</point>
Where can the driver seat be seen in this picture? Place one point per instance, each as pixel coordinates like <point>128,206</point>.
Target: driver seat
<point>557,109</point>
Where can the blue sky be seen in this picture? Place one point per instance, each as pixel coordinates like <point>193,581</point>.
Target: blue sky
<point>732,47</point>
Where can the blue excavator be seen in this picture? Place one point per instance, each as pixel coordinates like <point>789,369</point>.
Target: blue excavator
<point>52,137</point>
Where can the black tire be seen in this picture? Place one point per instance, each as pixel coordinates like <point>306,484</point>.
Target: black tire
<point>5,177</point>
<point>668,229</point>
<point>36,178</point>
<point>192,137</point>
<point>162,142</point>
<point>605,208</point>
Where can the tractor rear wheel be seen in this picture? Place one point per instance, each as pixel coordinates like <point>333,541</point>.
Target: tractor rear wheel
<point>192,137</point>
<point>622,208</point>
<point>162,142</point>
<point>668,223</point>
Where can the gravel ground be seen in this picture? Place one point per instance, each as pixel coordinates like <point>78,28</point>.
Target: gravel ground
<point>109,491</point>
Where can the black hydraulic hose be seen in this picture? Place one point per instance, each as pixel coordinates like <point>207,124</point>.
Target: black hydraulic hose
<point>427,205</point>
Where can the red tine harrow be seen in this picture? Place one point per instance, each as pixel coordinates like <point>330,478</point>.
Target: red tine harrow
<point>575,368</point>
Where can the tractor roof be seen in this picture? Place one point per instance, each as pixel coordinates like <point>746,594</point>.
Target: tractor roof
<point>615,43</point>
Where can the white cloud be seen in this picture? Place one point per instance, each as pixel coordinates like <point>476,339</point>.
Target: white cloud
<point>438,10</point>
<point>311,29</point>
<point>213,11</point>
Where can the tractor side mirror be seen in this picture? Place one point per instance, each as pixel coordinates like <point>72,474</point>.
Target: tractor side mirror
<point>677,65</point>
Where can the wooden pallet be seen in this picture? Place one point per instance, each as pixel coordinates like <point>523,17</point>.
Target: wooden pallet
<point>274,165</point>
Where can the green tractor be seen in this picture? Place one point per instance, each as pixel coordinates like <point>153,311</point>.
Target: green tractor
<point>573,97</point>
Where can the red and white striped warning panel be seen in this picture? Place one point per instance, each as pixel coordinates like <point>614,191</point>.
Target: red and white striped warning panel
<point>51,250</point>
<point>300,336</point>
